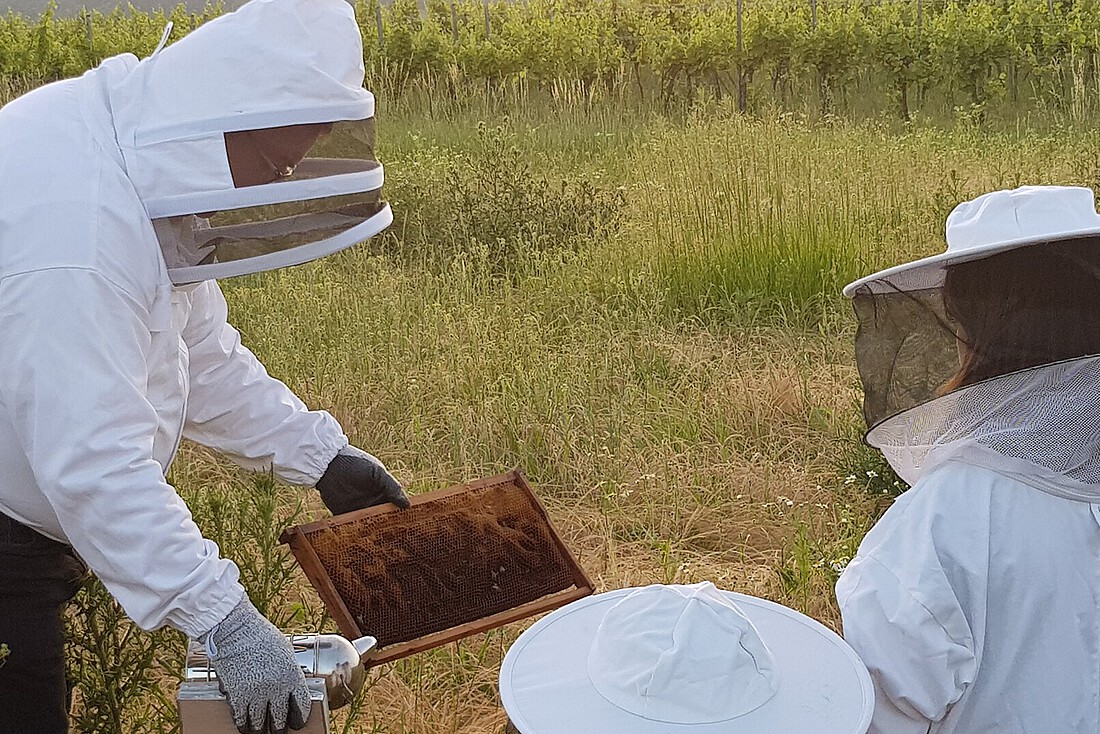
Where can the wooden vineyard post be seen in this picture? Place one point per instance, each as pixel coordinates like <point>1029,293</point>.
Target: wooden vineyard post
<point>378,22</point>
<point>742,80</point>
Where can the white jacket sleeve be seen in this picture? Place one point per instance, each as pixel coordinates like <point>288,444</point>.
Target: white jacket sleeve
<point>73,378</point>
<point>920,654</point>
<point>238,409</point>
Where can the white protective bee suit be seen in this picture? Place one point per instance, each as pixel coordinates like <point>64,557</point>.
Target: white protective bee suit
<point>942,601</point>
<point>105,363</point>
<point>975,600</point>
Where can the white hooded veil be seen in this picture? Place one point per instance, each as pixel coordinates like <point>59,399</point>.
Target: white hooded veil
<point>269,65</point>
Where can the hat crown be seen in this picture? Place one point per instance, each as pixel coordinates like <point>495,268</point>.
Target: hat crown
<point>681,654</point>
<point>1026,213</point>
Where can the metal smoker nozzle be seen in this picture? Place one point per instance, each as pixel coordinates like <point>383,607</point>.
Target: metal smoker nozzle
<point>341,662</point>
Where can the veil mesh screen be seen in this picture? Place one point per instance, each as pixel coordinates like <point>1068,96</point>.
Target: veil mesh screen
<point>1008,311</point>
<point>906,349</point>
<point>403,574</point>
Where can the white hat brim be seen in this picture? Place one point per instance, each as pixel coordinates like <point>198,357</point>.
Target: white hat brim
<point>928,272</point>
<point>823,685</point>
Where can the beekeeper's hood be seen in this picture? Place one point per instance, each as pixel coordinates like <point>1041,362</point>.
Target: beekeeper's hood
<point>217,124</point>
<point>990,351</point>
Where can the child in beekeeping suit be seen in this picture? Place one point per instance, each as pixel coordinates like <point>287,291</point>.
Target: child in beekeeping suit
<point>115,340</point>
<point>975,600</point>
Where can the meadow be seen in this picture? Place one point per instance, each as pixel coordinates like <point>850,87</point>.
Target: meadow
<point>638,308</point>
<point>643,315</point>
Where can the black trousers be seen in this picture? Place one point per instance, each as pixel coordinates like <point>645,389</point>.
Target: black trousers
<point>38,577</point>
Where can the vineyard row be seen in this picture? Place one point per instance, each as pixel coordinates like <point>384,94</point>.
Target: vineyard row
<point>1026,53</point>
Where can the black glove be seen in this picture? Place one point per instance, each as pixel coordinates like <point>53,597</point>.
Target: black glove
<point>355,479</point>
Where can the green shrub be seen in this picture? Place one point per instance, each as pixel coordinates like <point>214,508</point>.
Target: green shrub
<point>865,59</point>
<point>493,206</point>
<point>126,677</point>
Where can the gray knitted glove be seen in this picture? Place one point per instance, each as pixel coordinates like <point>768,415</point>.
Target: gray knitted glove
<point>257,670</point>
<point>354,480</point>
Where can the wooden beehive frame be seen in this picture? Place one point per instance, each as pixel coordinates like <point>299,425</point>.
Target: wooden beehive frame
<point>298,540</point>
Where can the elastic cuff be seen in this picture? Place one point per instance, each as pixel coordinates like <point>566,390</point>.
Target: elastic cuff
<point>203,624</point>
<point>326,456</point>
<point>208,645</point>
<point>325,443</point>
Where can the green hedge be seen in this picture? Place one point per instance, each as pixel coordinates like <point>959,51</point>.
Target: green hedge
<point>894,55</point>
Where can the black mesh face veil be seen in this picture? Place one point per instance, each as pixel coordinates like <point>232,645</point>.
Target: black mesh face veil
<point>906,349</point>
<point>983,318</point>
<point>300,193</point>
<point>994,358</point>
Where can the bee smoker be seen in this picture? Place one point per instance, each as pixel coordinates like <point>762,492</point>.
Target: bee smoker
<point>334,667</point>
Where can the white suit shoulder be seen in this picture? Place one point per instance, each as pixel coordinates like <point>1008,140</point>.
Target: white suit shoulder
<point>945,510</point>
<point>910,594</point>
<point>74,207</point>
<point>947,593</point>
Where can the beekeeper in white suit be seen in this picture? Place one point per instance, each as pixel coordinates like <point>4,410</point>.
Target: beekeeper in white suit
<point>975,600</point>
<point>125,193</point>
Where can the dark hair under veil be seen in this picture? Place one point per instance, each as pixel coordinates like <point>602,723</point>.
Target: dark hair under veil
<point>1024,307</point>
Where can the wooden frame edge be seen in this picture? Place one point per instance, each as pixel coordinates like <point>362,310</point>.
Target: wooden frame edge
<point>322,583</point>
<point>296,537</point>
<point>485,624</point>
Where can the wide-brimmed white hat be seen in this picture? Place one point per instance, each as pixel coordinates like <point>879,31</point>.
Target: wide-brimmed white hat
<point>666,659</point>
<point>992,223</point>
